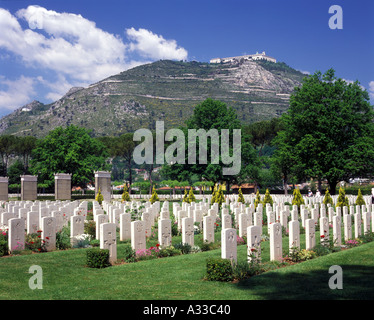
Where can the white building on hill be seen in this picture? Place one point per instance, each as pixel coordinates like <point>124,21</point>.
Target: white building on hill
<point>257,56</point>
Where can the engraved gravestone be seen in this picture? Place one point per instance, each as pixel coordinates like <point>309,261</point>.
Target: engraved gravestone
<point>229,244</point>
<point>108,240</point>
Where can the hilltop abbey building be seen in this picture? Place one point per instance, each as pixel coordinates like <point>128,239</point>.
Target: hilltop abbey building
<point>257,56</point>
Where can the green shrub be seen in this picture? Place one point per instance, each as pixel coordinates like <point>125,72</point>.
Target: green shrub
<point>63,239</point>
<point>267,198</point>
<point>218,269</point>
<point>3,247</point>
<point>169,252</point>
<point>95,243</point>
<point>327,199</point>
<point>90,228</point>
<point>97,258</point>
<point>129,253</point>
<point>240,196</point>
<point>258,198</point>
<point>297,198</point>
<point>342,200</point>
<point>185,248</point>
<point>360,199</point>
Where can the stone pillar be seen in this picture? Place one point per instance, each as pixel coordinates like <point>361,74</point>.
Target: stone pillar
<point>3,188</point>
<point>62,186</point>
<point>103,182</point>
<point>29,187</point>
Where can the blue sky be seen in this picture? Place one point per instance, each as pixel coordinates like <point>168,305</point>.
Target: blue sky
<point>47,47</point>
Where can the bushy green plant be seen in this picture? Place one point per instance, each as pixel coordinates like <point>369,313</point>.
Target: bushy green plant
<point>367,237</point>
<point>218,269</point>
<point>360,199</point>
<point>154,196</point>
<point>169,252</point>
<point>327,199</point>
<point>191,196</point>
<point>185,248</point>
<point>129,254</point>
<point>125,194</point>
<point>342,199</point>
<point>297,198</point>
<point>90,228</point>
<point>240,196</point>
<point>63,239</point>
<point>242,270</point>
<point>219,197</point>
<point>34,242</point>
<point>4,250</point>
<point>185,197</point>
<point>97,258</point>
<point>267,198</point>
<point>99,197</point>
<point>258,199</point>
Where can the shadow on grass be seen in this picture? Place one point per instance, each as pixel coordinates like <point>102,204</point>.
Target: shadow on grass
<point>358,283</point>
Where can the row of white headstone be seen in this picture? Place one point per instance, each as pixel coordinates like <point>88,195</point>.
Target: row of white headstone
<point>362,215</point>
<point>44,217</point>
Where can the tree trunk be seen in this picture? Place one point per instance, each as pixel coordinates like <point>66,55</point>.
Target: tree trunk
<point>130,174</point>
<point>332,185</point>
<point>285,185</point>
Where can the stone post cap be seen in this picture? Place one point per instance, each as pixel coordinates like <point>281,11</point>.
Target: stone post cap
<point>4,179</point>
<point>29,178</point>
<point>102,174</point>
<point>66,176</point>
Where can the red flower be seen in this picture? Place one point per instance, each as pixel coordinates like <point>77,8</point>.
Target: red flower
<point>47,238</point>
<point>39,249</point>
<point>253,250</point>
<point>322,236</point>
<point>39,236</point>
<point>39,231</point>
<point>157,245</point>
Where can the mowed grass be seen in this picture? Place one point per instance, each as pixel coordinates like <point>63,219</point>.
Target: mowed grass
<point>65,277</point>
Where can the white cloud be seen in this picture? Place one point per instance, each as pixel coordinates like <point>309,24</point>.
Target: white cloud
<point>18,92</point>
<point>371,89</point>
<point>153,46</point>
<point>75,49</point>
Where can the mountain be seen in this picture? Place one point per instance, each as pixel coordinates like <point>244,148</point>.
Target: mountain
<point>164,90</point>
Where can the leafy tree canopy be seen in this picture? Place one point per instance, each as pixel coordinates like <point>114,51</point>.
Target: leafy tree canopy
<point>68,150</point>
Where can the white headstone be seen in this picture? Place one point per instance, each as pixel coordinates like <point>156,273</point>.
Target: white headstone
<point>208,231</point>
<point>229,244</point>
<point>337,230</point>
<point>254,242</point>
<point>49,233</point>
<point>164,232</point>
<point>294,234</point>
<point>124,226</point>
<point>108,240</point>
<point>188,231</point>
<point>276,241</point>
<point>138,240</point>
<point>310,236</point>
<point>16,236</point>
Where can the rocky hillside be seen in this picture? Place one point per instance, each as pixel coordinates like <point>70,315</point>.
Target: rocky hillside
<point>163,90</point>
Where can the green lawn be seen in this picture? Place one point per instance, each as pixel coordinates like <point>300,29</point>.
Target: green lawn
<point>181,277</point>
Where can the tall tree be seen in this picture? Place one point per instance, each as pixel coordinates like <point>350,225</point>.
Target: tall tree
<point>123,146</point>
<point>8,148</point>
<point>329,130</point>
<point>24,147</point>
<point>69,150</point>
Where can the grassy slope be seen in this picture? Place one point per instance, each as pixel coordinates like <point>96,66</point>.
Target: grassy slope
<point>180,278</point>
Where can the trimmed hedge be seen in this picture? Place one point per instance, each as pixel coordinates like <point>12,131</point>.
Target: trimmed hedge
<point>218,269</point>
<point>98,258</point>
